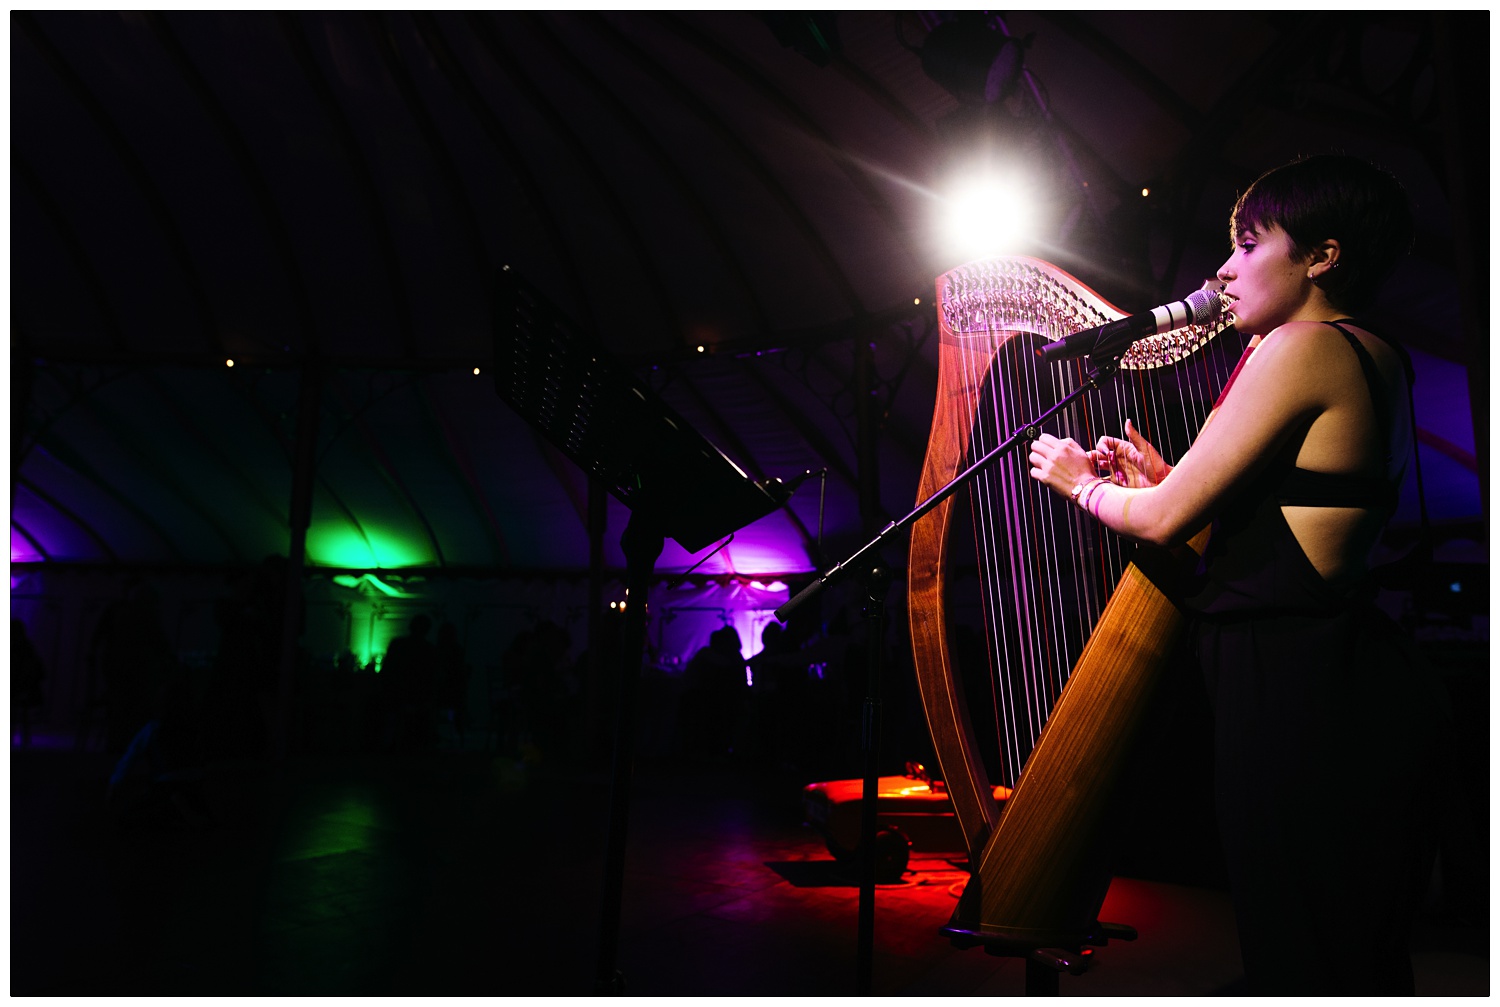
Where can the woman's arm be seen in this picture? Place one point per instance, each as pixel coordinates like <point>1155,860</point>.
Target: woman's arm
<point>1282,388</point>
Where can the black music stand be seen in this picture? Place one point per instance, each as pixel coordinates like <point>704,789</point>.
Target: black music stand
<point>676,484</point>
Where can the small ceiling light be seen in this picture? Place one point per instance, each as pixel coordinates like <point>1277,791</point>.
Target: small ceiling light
<point>701,348</point>
<point>1145,192</point>
<point>916,300</point>
<point>476,370</point>
<point>229,363</point>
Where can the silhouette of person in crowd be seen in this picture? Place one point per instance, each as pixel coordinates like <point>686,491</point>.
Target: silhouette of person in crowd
<point>134,662</point>
<point>544,692</point>
<point>453,679</point>
<point>409,676</point>
<point>714,694</point>
<point>26,675</point>
<point>152,714</point>
<point>241,695</point>
<point>781,688</point>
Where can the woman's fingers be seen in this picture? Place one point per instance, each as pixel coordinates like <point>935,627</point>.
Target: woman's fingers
<point>1138,439</point>
<point>1052,460</point>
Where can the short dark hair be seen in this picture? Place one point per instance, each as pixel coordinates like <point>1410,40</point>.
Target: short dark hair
<point>1361,206</point>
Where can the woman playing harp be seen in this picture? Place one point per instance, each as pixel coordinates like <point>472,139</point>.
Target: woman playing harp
<point>1320,713</point>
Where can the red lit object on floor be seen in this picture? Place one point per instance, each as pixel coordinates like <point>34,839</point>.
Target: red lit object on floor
<point>915,805</point>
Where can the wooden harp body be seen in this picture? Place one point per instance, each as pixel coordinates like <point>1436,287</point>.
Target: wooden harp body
<point>1077,622</point>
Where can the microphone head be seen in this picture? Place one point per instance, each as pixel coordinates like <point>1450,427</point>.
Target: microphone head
<point>1205,306</point>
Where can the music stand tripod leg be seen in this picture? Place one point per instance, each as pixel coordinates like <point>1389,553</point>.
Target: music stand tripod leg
<point>642,544</point>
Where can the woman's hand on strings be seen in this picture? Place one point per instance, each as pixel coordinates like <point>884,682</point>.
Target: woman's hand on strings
<point>1129,461</point>
<point>1060,463</point>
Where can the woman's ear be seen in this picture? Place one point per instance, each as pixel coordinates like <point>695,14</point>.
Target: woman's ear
<point>1325,256</point>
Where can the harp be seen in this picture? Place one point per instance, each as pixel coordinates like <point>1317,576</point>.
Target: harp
<point>1077,622</point>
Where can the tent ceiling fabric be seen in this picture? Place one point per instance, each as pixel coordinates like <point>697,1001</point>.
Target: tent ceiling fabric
<point>334,193</point>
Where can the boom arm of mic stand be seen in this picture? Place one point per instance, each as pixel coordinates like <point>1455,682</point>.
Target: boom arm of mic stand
<point>1029,432</point>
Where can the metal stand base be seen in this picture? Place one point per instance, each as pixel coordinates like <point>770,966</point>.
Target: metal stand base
<point>1044,964</point>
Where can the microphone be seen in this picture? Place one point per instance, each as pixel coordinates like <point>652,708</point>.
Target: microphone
<point>1114,338</point>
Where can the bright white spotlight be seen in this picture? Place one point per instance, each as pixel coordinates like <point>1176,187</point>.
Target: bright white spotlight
<point>993,217</point>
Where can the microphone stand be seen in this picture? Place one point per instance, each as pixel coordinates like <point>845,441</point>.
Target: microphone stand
<point>865,560</point>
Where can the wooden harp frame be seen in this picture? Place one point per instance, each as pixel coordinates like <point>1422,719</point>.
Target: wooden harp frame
<point>1038,876</point>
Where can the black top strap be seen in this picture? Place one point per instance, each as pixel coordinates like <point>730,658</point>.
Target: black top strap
<point>1400,572</point>
<point>1384,410</point>
<point>1308,488</point>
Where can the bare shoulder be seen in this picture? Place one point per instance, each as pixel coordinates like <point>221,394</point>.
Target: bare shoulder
<point>1312,350</point>
<point>1304,341</point>
<point>1296,345</point>
<point>1320,346</point>
<point>1301,368</point>
<point>1312,364</point>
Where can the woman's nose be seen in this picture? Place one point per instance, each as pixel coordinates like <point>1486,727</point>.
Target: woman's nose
<point>1225,273</point>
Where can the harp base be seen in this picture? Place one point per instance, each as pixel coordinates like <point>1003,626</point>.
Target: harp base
<point>1048,954</point>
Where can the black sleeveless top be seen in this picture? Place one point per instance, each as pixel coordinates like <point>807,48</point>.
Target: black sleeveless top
<point>1306,488</point>
<point>1253,562</point>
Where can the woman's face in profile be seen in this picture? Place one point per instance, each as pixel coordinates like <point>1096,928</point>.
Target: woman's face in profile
<point>1266,286</point>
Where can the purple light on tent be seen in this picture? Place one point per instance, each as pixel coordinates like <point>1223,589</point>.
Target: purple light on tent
<point>21,549</point>
<point>1449,467</point>
<point>769,547</point>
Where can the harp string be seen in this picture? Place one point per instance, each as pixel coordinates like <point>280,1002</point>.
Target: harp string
<point>1003,651</point>
<point>1046,570</point>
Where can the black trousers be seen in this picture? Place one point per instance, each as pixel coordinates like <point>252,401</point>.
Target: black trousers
<point>1327,740</point>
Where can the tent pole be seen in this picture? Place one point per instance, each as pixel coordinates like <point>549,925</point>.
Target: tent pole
<point>309,406</point>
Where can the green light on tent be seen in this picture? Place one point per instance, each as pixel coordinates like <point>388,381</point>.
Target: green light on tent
<point>330,545</point>
<point>337,544</point>
<point>371,632</point>
<point>373,621</point>
<point>375,583</point>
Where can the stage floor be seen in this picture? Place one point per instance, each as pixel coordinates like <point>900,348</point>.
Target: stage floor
<point>465,873</point>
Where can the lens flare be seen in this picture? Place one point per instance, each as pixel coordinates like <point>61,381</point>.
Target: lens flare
<point>990,217</point>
